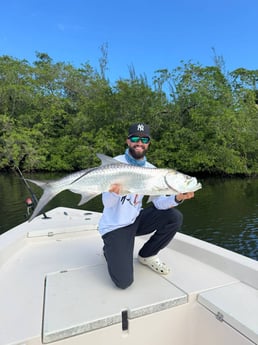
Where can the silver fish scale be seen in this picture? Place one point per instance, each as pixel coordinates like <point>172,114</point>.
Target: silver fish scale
<point>131,178</point>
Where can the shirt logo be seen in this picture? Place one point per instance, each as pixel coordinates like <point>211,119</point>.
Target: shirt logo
<point>128,198</point>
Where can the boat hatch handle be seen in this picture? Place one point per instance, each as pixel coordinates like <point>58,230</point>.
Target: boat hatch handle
<point>124,320</point>
<point>220,316</point>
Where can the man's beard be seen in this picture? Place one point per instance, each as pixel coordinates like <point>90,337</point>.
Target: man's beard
<point>136,154</point>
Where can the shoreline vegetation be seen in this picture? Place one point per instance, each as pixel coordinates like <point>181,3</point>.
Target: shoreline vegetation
<point>56,117</point>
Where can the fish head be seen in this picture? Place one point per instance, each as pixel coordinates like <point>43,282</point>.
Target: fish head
<point>181,183</point>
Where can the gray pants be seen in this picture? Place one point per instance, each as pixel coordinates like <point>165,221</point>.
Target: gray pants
<point>119,243</point>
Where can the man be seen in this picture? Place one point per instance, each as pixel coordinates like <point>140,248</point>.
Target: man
<point>124,218</point>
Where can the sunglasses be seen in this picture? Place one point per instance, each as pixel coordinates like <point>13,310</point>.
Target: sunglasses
<point>144,140</point>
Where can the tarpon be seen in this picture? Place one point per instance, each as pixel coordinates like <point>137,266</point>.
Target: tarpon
<point>132,179</point>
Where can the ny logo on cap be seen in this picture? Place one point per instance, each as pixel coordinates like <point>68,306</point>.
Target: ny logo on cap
<point>140,127</point>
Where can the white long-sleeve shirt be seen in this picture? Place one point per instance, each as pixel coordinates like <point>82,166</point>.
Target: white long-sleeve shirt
<point>120,211</point>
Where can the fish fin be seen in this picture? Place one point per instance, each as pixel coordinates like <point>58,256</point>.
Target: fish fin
<point>41,184</point>
<point>85,197</point>
<point>48,194</point>
<point>106,160</point>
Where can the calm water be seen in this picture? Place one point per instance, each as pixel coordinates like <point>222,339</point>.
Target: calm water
<point>224,212</point>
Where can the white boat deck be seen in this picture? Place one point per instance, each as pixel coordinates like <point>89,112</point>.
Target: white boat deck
<point>55,288</point>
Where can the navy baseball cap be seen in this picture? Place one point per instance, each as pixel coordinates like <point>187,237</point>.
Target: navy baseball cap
<point>140,129</point>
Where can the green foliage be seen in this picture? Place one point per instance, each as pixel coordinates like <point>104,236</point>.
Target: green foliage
<point>56,117</point>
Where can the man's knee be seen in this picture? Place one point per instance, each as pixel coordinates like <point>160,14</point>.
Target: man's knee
<point>174,217</point>
<point>123,277</point>
<point>179,217</point>
<point>123,284</point>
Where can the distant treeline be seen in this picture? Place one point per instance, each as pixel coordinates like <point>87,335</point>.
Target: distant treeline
<point>56,117</point>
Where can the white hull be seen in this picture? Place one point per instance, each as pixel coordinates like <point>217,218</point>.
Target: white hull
<point>55,289</point>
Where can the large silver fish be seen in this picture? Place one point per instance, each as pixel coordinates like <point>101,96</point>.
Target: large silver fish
<point>133,179</point>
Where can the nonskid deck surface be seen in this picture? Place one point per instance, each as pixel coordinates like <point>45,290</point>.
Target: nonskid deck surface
<point>62,267</point>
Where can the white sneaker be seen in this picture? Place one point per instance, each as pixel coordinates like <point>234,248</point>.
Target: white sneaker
<point>155,264</point>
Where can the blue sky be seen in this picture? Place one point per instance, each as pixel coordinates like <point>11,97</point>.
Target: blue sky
<point>146,34</point>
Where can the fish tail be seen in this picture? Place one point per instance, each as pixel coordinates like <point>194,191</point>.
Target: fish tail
<point>49,192</point>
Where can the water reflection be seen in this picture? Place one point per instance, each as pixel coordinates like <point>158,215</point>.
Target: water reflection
<point>224,212</point>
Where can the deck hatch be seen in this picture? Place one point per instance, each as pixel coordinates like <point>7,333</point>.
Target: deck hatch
<point>85,299</point>
<point>237,305</point>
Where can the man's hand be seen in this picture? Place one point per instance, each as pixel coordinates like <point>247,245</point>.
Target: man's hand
<point>183,196</point>
<point>115,188</point>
